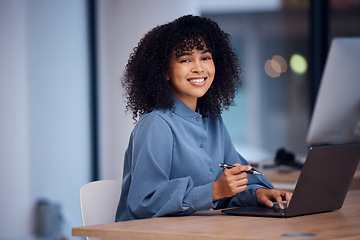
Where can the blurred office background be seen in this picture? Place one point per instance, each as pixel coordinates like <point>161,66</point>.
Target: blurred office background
<point>63,120</point>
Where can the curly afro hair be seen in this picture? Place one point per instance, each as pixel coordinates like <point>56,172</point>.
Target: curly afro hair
<point>145,73</point>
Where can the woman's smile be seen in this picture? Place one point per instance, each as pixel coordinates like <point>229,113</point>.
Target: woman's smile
<point>197,81</point>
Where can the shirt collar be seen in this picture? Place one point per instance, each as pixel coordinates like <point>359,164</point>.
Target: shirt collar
<point>185,112</point>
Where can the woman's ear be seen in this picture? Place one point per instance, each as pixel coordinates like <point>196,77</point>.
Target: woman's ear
<point>167,76</point>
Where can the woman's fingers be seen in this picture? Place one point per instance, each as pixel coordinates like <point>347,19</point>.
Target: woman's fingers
<point>267,196</point>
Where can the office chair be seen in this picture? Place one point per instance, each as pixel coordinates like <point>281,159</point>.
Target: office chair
<point>99,201</point>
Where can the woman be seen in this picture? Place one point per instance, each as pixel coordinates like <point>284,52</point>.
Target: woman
<point>179,79</point>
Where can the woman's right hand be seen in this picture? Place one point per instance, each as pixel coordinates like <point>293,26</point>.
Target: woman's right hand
<point>231,182</point>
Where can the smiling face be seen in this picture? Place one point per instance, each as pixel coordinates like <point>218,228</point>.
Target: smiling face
<point>191,74</point>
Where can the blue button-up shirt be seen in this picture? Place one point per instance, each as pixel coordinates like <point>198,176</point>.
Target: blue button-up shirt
<point>172,162</point>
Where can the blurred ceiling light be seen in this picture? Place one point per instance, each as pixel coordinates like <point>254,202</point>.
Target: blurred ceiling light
<point>214,6</point>
<point>275,66</point>
<point>269,69</point>
<point>298,63</point>
<point>282,62</point>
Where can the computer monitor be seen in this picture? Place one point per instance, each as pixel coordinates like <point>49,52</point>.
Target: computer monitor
<point>336,116</point>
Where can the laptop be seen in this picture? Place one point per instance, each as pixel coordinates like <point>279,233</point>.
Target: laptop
<point>322,185</point>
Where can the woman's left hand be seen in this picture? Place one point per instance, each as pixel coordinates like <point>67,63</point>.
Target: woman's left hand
<point>266,196</point>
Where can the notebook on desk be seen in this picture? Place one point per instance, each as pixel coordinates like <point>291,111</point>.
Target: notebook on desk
<point>322,185</point>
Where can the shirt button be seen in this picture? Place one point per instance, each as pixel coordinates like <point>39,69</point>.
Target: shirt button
<point>201,145</point>
<point>211,169</point>
<point>197,118</point>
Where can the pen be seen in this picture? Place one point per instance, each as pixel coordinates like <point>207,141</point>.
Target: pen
<point>251,171</point>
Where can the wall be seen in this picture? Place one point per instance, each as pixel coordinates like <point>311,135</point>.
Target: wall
<point>15,204</point>
<point>44,109</point>
<point>59,102</point>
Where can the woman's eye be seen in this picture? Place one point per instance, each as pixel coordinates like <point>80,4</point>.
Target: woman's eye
<point>207,58</point>
<point>184,60</point>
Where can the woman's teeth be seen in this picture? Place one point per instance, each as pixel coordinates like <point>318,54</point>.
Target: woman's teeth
<point>197,80</point>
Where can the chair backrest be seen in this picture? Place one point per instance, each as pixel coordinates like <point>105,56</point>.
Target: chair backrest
<point>99,201</point>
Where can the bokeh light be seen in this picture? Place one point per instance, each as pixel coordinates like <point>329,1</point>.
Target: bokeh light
<point>282,62</point>
<point>275,66</point>
<point>270,70</point>
<point>298,63</point>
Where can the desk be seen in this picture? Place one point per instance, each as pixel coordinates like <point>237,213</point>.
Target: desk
<point>211,225</point>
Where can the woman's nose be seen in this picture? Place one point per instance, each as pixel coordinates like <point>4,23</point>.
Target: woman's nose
<point>197,67</point>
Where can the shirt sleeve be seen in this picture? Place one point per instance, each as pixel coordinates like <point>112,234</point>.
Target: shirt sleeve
<point>152,192</point>
<point>247,197</point>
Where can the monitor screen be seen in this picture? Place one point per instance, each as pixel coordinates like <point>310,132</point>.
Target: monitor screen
<point>336,116</point>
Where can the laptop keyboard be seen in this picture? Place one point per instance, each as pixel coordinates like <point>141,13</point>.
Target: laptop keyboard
<point>276,205</point>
